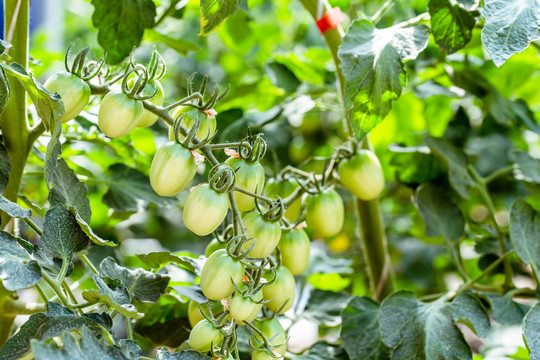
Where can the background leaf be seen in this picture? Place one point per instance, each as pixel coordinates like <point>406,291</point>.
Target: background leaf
<point>214,12</point>
<point>451,25</point>
<point>18,269</point>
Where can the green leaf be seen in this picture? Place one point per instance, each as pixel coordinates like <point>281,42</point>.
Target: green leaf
<point>43,326</point>
<point>192,293</point>
<point>67,189</point>
<point>180,45</point>
<point>322,350</point>
<point>531,329</point>
<point>88,231</point>
<point>214,12</point>
<point>116,297</point>
<point>155,260</point>
<point>458,174</point>
<point>422,331</point>
<point>324,307</point>
<point>18,269</point>
<point>504,309</point>
<point>181,355</point>
<point>142,285</point>
<point>5,90</point>
<point>451,25</point>
<point>121,25</point>
<point>372,62</point>
<point>415,166</point>
<point>54,149</point>
<point>321,263</point>
<point>5,168</point>
<point>88,347</point>
<point>525,232</point>
<point>510,27</point>
<point>62,235</point>
<point>130,190</point>
<point>528,168</point>
<point>442,216</point>
<point>14,209</point>
<point>360,331</point>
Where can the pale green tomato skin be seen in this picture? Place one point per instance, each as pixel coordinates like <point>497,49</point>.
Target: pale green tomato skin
<point>74,91</point>
<point>214,246</point>
<point>249,177</point>
<point>203,335</point>
<point>148,118</point>
<point>294,246</point>
<point>172,169</point>
<point>281,292</point>
<point>325,213</point>
<point>242,307</point>
<point>362,175</point>
<point>218,275</point>
<point>261,355</point>
<point>265,233</point>
<point>205,210</point>
<point>195,315</point>
<point>283,189</point>
<point>207,124</point>
<point>272,329</point>
<point>118,114</point>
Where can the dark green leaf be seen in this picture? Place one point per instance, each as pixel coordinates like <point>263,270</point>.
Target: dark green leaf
<point>88,231</point>
<point>441,215</point>
<point>192,293</point>
<point>528,169</point>
<point>322,350</point>
<point>458,174</point>
<point>505,310</point>
<point>531,329</point>
<point>18,270</point>
<point>155,260</point>
<point>372,62</point>
<point>181,355</point>
<point>142,285</point>
<point>282,77</point>
<point>510,27</point>
<point>525,232</point>
<point>87,348</point>
<point>121,25</point>
<point>214,12</point>
<point>116,297</point>
<point>451,25</point>
<point>415,166</point>
<point>54,149</point>
<point>130,190</point>
<point>62,235</point>
<point>324,307</point>
<point>5,168</point>
<point>19,344</point>
<point>422,331</point>
<point>180,45</point>
<point>360,331</point>
<point>67,189</point>
<point>5,90</point>
<point>14,209</point>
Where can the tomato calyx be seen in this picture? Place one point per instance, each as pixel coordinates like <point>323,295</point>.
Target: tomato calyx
<point>252,148</point>
<point>275,210</point>
<point>222,178</point>
<point>84,71</point>
<point>190,141</point>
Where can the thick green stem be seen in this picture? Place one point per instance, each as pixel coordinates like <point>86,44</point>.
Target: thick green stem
<point>373,239</point>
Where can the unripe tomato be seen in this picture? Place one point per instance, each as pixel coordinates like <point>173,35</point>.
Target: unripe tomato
<point>283,189</point>
<point>272,329</point>
<point>265,233</point>
<point>262,355</point>
<point>205,210</point>
<point>204,335</point>
<point>218,275</point>
<point>148,118</point>
<point>207,124</point>
<point>362,175</point>
<point>73,90</point>
<point>249,177</point>
<point>172,169</point>
<point>195,315</point>
<point>119,114</point>
<point>294,247</point>
<point>281,292</point>
<point>243,308</point>
<point>214,246</point>
<point>325,213</point>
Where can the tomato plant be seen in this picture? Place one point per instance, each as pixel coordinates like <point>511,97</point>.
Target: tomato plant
<point>363,177</point>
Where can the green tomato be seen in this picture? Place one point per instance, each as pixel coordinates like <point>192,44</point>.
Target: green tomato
<point>262,355</point>
<point>362,175</point>
<point>73,90</point>
<point>205,210</point>
<point>325,213</point>
<point>281,292</point>
<point>265,233</point>
<point>249,177</point>
<point>172,169</point>
<point>207,124</point>
<point>214,246</point>
<point>294,247</point>
<point>218,275</point>
<point>244,308</point>
<point>195,315</point>
<point>148,118</point>
<point>283,189</point>
<point>204,335</point>
<point>272,329</point>
<point>119,114</point>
